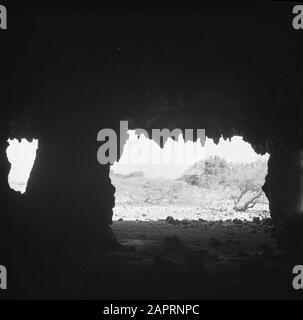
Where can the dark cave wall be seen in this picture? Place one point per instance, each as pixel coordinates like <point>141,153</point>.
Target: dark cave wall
<point>4,190</point>
<point>182,71</point>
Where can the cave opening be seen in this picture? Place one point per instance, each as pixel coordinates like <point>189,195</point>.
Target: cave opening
<point>189,180</point>
<point>21,154</point>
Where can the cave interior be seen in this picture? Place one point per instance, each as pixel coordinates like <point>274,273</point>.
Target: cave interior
<point>228,69</point>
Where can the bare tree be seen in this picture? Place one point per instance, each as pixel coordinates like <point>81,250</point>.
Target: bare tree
<point>247,185</point>
<point>248,204</point>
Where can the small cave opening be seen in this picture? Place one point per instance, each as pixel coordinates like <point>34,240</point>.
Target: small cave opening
<point>21,155</point>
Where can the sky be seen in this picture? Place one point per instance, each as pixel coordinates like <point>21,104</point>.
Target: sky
<point>140,154</point>
<point>143,154</point>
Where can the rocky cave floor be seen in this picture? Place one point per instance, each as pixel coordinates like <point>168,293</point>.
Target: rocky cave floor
<point>172,259</point>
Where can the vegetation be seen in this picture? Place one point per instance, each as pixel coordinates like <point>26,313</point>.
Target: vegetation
<point>241,182</point>
<point>214,183</point>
